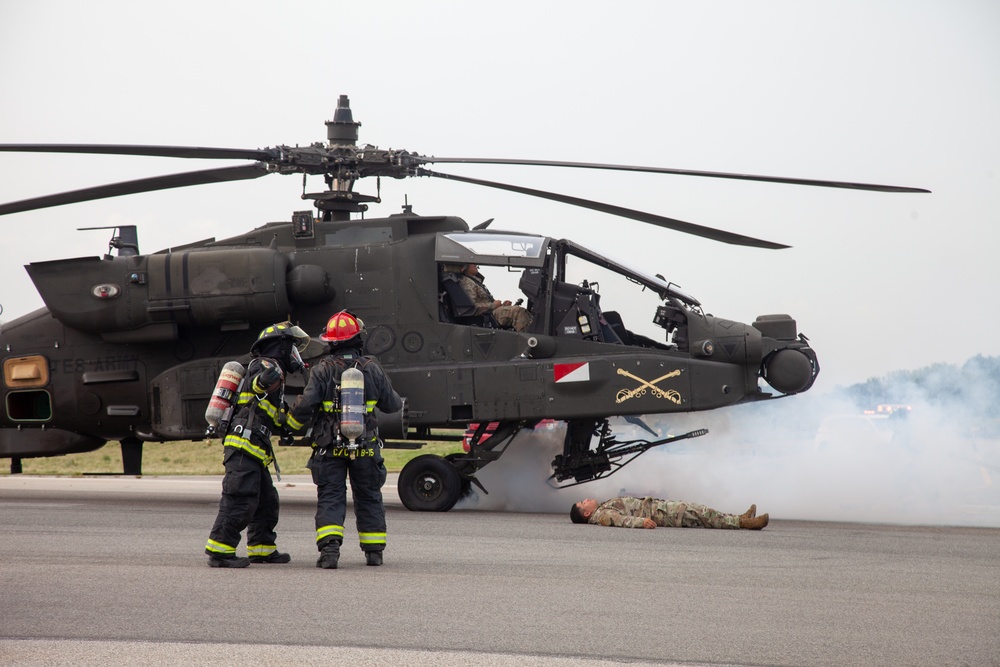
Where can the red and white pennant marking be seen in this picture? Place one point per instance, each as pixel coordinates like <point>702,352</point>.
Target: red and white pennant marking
<point>579,372</point>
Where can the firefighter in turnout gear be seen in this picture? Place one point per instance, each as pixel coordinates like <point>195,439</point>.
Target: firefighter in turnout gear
<point>337,450</point>
<point>249,499</point>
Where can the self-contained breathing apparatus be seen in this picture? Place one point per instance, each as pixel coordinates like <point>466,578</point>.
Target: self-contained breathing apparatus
<point>352,405</point>
<point>348,409</point>
<point>224,404</point>
<point>224,398</point>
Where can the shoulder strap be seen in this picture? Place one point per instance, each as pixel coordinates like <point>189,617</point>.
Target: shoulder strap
<point>340,364</point>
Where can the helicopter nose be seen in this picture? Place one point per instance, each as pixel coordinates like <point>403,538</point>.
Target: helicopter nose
<point>789,370</point>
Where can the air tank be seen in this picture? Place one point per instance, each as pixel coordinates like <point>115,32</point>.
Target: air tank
<point>352,404</point>
<point>224,394</point>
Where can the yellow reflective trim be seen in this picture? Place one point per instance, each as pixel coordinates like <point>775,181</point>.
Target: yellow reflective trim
<point>270,330</point>
<point>329,531</point>
<point>220,548</point>
<point>269,408</point>
<point>293,423</point>
<point>261,549</point>
<point>371,538</point>
<point>327,406</point>
<point>253,450</point>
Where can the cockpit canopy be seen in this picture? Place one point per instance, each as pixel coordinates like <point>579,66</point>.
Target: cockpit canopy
<point>494,249</point>
<point>530,250</point>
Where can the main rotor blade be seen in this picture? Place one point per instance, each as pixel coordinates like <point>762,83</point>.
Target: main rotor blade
<point>658,220</point>
<point>680,172</point>
<point>134,187</point>
<point>153,151</point>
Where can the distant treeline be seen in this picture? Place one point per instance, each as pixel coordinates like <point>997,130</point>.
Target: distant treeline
<point>974,386</point>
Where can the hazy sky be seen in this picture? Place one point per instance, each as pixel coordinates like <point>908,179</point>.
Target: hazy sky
<point>899,92</point>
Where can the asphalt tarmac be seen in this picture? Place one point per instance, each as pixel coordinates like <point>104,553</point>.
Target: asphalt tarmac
<point>110,571</point>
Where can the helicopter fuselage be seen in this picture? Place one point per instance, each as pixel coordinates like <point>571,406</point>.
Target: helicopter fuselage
<point>130,346</point>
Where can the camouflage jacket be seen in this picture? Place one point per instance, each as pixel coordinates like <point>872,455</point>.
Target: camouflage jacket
<point>624,512</point>
<point>481,297</point>
<point>627,512</point>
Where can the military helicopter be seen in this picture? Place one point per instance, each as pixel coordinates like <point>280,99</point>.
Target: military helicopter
<point>129,345</point>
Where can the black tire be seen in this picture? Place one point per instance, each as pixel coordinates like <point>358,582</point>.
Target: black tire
<point>429,483</point>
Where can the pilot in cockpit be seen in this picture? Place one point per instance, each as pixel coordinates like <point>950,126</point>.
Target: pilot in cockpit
<point>504,312</point>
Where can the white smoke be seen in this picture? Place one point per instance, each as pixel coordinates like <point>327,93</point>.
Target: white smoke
<point>937,466</point>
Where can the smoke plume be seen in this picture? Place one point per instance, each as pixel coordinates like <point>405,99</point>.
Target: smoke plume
<point>806,457</point>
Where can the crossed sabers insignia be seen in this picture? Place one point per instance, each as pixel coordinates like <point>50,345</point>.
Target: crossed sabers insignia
<point>670,394</point>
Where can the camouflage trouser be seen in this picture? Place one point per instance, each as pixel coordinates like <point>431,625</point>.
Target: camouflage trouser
<point>676,514</point>
<point>512,316</point>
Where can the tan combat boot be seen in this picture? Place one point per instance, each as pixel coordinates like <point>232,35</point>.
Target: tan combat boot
<point>755,523</point>
<point>750,513</point>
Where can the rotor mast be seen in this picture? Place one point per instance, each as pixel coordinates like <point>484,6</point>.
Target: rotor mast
<point>340,200</point>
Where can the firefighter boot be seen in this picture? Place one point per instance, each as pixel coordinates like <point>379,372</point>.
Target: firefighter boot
<point>755,523</point>
<point>373,558</point>
<point>227,561</point>
<point>329,555</point>
<point>750,513</point>
<point>273,557</point>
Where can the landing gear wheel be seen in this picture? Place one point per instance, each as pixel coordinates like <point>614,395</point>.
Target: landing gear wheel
<point>429,483</point>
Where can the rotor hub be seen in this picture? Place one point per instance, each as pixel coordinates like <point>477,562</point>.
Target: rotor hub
<point>342,129</point>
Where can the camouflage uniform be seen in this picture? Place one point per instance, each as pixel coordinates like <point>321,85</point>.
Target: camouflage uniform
<point>506,316</point>
<point>629,512</point>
